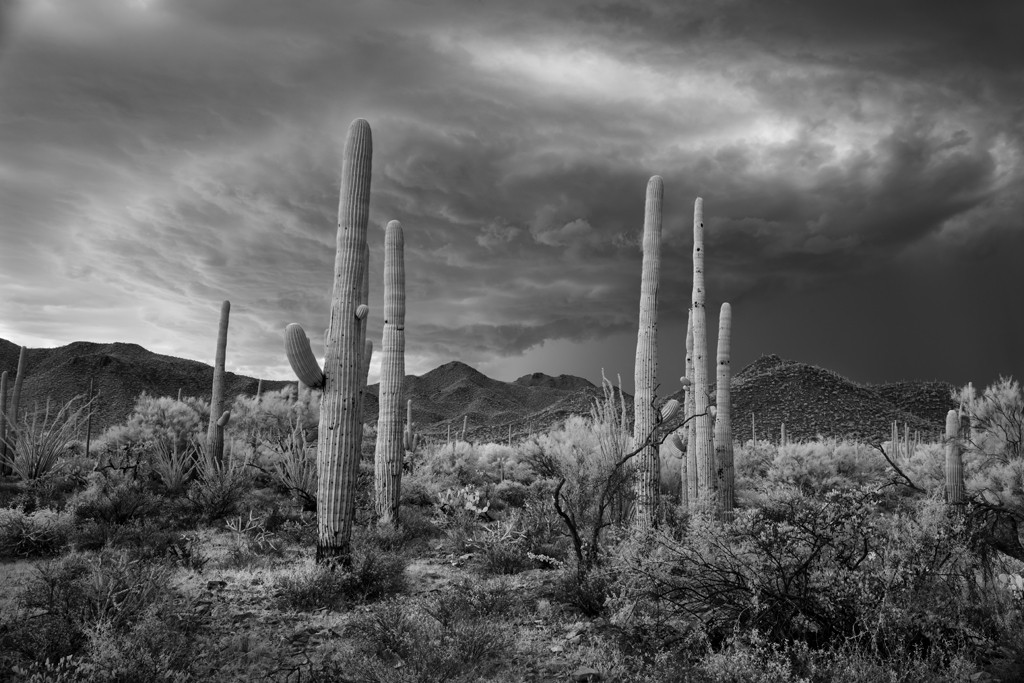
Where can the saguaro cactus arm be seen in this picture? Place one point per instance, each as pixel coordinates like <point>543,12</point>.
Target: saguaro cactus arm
<point>301,358</point>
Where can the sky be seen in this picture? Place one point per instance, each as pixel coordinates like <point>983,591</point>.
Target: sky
<point>861,165</point>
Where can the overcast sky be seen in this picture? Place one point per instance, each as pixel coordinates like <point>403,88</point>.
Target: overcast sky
<point>861,164</point>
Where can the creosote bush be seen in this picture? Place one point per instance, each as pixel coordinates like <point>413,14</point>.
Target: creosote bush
<point>372,575</point>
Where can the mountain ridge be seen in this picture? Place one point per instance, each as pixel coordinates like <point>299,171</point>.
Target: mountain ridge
<point>810,400</point>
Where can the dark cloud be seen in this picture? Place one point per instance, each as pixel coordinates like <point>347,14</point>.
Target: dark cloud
<point>158,157</point>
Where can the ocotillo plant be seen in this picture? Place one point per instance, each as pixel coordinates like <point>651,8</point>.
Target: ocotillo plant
<point>12,407</point>
<point>338,444</point>
<point>954,460</point>
<point>646,483</point>
<point>215,432</point>
<point>390,449</point>
<point>704,436</point>
<point>692,476</point>
<point>723,416</point>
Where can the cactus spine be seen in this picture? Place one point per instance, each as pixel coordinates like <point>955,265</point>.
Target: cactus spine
<point>954,460</point>
<point>390,440</point>
<point>704,446</point>
<point>343,378</point>
<point>646,484</point>
<point>723,415</point>
<point>215,432</point>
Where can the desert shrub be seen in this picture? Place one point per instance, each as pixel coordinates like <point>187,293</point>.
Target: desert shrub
<point>453,638</point>
<point>70,595</point>
<point>831,571</point>
<point>418,490</point>
<point>372,574</point>
<point>504,548</point>
<point>130,445</point>
<point>586,591</point>
<point>453,465</point>
<point>34,534</point>
<point>824,464</point>
<point>221,486</point>
<point>413,529</point>
<point>996,419</point>
<point>112,497</point>
<point>513,493</point>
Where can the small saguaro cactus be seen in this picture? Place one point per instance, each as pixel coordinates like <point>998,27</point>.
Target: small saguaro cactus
<point>215,432</point>
<point>954,460</point>
<point>646,486</point>
<point>723,415</point>
<point>342,377</point>
<point>704,436</point>
<point>390,449</point>
<point>410,438</point>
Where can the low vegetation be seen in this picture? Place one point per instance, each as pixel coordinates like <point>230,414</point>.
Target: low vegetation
<point>153,563</point>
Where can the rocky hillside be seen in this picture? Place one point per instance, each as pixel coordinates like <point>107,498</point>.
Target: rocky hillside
<point>808,399</point>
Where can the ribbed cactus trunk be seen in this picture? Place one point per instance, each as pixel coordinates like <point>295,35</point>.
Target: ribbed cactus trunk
<point>690,456</point>
<point>723,416</point>
<point>646,482</point>
<point>954,460</point>
<point>390,440</point>
<point>338,443</point>
<point>215,432</point>
<point>3,423</point>
<point>704,436</point>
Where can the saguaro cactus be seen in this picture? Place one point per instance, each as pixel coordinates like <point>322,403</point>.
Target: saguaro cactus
<point>215,432</point>
<point>338,444</point>
<point>704,446</point>
<point>390,441</point>
<point>954,460</point>
<point>410,439</point>
<point>690,457</point>
<point>723,416</point>
<point>646,484</point>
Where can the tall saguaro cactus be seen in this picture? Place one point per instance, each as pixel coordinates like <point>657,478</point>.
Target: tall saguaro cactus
<point>646,485</point>
<point>723,416</point>
<point>954,460</point>
<point>690,483</point>
<point>342,378</point>
<point>703,441</point>
<point>215,432</point>
<point>390,442</point>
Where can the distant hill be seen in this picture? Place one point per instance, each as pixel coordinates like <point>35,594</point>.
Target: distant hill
<point>810,400</point>
<point>120,372</point>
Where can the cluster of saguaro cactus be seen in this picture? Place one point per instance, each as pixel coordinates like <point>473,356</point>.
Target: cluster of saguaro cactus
<point>342,378</point>
<point>218,416</point>
<point>645,370</point>
<point>903,448</point>
<point>390,449</point>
